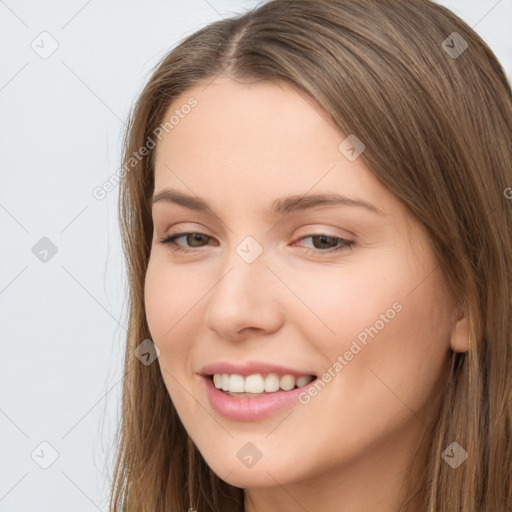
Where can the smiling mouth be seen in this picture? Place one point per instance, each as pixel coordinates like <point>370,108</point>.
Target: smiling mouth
<point>257,385</point>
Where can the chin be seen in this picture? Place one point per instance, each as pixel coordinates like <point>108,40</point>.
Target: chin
<point>251,477</point>
<point>266,472</point>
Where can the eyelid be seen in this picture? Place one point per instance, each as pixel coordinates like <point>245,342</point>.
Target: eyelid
<point>314,230</point>
<point>343,244</point>
<point>311,229</point>
<point>317,229</point>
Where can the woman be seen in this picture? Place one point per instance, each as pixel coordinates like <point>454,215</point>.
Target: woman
<point>317,225</point>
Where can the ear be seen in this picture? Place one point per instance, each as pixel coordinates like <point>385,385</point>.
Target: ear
<point>459,341</point>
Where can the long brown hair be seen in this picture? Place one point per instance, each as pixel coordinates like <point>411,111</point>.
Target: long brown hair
<point>433,107</point>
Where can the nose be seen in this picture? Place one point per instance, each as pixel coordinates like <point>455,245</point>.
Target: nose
<point>245,300</point>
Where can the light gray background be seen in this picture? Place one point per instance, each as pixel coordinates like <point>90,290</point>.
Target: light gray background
<point>63,321</point>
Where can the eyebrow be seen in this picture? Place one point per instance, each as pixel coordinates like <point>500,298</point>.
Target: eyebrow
<point>282,205</point>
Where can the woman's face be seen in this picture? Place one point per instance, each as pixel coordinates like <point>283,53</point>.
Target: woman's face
<point>347,291</point>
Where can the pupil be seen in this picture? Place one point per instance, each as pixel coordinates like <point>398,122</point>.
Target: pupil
<point>324,237</point>
<point>196,237</point>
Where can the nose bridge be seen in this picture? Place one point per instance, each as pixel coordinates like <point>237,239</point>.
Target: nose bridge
<point>245,294</point>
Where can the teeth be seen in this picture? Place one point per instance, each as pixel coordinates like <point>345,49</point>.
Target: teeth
<point>253,384</point>
<point>217,380</point>
<point>302,381</point>
<point>257,383</point>
<point>287,382</point>
<point>271,382</point>
<point>225,382</point>
<point>236,383</point>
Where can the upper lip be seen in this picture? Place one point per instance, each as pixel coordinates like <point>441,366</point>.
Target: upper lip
<point>251,368</point>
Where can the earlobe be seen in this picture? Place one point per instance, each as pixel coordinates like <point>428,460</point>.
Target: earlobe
<point>459,341</point>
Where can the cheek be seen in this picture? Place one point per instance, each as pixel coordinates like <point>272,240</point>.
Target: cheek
<point>395,350</point>
<point>171,301</point>
<point>390,324</point>
<point>346,299</point>
<point>169,297</point>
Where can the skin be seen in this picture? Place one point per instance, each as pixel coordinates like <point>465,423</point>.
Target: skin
<point>242,147</point>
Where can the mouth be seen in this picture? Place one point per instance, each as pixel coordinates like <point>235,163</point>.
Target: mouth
<point>258,384</point>
<point>254,390</point>
<point>254,397</point>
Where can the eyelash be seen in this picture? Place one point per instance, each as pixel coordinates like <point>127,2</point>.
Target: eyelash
<point>344,244</point>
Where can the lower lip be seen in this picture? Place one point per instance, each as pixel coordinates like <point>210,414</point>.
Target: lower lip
<point>250,409</point>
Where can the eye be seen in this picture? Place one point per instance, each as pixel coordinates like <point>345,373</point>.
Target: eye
<point>334,243</point>
<point>189,236</point>
<point>320,241</point>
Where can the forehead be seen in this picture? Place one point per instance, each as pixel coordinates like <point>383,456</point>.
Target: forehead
<point>242,122</point>
<point>247,144</point>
